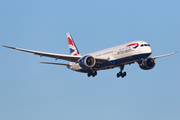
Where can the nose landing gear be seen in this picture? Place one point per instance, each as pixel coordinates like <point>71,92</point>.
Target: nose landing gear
<point>122,74</point>
<point>92,73</point>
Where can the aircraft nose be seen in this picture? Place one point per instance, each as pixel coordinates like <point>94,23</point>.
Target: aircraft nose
<point>148,50</point>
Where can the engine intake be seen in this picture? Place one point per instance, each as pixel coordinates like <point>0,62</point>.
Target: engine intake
<point>147,64</point>
<point>87,61</point>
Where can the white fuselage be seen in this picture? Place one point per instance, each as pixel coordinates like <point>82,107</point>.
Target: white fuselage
<point>119,55</point>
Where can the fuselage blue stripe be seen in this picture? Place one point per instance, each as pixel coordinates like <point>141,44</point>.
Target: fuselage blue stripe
<point>118,62</point>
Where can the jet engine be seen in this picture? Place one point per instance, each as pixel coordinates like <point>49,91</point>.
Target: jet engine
<point>147,64</point>
<point>87,61</point>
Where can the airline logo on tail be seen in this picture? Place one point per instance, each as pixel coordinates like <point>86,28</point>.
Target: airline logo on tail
<point>72,46</point>
<point>135,45</point>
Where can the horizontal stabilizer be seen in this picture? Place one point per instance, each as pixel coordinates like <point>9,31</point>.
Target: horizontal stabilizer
<point>55,63</point>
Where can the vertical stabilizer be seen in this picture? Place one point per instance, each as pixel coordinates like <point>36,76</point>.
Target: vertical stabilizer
<point>72,46</point>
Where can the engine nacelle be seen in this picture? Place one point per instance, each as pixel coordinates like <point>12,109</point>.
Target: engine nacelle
<point>87,61</point>
<point>147,64</point>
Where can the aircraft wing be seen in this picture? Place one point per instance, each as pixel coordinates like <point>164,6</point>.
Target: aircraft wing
<point>164,55</point>
<point>70,58</point>
<point>52,55</point>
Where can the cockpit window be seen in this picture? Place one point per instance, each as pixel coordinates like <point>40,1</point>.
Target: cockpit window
<point>142,45</point>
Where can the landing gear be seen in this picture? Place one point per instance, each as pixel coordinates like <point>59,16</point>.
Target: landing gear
<point>122,74</point>
<point>92,73</point>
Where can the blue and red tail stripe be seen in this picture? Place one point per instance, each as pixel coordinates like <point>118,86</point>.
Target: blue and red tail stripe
<point>72,47</point>
<point>70,42</point>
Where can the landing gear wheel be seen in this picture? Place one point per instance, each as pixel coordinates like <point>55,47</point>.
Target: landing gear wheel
<point>120,73</point>
<point>124,73</point>
<point>95,73</point>
<point>117,75</point>
<point>89,74</point>
<point>92,73</point>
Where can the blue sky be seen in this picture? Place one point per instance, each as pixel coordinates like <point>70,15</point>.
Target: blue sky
<point>33,91</point>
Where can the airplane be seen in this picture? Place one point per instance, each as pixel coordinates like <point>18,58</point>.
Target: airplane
<point>118,56</point>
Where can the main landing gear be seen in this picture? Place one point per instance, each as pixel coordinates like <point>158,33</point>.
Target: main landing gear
<point>92,73</point>
<point>122,74</point>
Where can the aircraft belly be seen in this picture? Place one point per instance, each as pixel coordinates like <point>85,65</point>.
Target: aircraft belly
<point>124,60</point>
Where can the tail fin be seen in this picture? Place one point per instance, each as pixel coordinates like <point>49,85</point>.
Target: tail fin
<point>72,47</point>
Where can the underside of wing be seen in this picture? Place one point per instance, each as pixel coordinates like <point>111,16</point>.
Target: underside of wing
<point>101,60</point>
<point>52,55</point>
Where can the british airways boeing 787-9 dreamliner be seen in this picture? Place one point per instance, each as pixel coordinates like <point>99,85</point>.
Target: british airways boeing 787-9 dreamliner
<point>118,56</point>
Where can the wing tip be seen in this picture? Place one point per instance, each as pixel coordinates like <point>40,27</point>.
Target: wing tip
<point>3,45</point>
<point>8,47</point>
